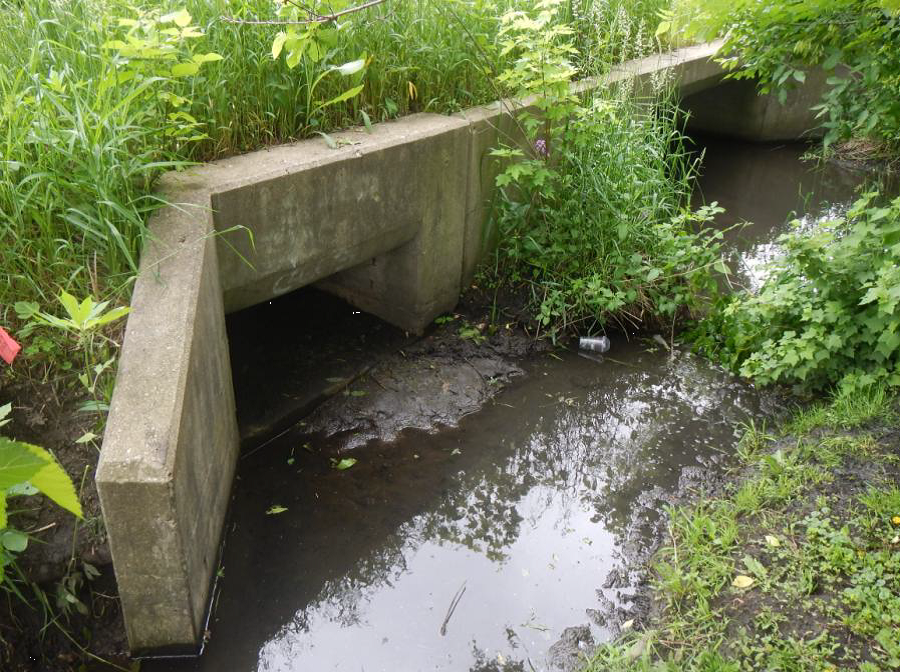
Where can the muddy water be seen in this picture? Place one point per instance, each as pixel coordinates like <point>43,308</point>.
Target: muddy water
<point>507,542</point>
<point>763,188</point>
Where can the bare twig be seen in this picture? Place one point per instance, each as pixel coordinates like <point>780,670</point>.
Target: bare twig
<point>453,604</point>
<point>314,18</point>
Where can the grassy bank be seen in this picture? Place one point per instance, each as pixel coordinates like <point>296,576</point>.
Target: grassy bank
<point>796,565</point>
<point>88,125</point>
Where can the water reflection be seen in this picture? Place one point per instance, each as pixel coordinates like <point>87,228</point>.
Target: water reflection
<point>525,508</point>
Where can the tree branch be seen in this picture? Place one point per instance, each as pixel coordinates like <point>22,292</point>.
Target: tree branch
<point>314,18</point>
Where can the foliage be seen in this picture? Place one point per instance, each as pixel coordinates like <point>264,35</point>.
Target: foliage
<point>793,567</point>
<point>776,42</point>
<point>84,323</point>
<point>828,312</point>
<point>594,217</point>
<point>26,469</point>
<point>98,97</point>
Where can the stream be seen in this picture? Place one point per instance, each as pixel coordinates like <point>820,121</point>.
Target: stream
<point>500,506</point>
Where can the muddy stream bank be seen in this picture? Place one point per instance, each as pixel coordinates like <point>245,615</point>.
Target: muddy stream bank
<point>466,504</point>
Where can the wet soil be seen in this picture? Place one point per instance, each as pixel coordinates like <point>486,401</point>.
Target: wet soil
<point>60,546</point>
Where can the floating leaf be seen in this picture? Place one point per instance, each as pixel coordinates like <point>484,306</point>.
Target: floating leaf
<point>275,510</point>
<point>346,463</point>
<point>742,581</point>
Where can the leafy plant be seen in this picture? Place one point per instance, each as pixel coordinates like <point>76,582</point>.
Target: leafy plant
<point>84,321</point>
<point>594,217</point>
<point>777,42</point>
<point>155,51</point>
<point>828,313</point>
<point>26,469</point>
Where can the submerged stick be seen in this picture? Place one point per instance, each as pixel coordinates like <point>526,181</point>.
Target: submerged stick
<point>453,603</point>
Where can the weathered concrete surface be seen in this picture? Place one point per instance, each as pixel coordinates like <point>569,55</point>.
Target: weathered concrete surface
<point>314,211</point>
<point>427,177</point>
<point>392,221</point>
<point>736,109</point>
<point>171,439</point>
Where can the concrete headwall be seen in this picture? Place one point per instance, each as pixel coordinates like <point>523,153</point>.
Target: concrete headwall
<point>735,109</point>
<point>391,220</point>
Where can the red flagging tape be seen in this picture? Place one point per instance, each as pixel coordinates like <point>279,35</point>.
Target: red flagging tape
<point>8,347</point>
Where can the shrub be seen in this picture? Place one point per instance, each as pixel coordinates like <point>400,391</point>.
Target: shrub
<point>827,314</point>
<point>855,41</point>
<point>594,218</point>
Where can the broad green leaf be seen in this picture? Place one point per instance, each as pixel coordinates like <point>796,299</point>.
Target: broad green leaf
<point>2,509</point>
<point>52,480</point>
<point>17,463</point>
<point>111,316</point>
<point>207,58</point>
<point>185,69</point>
<point>181,18</point>
<point>278,44</point>
<point>75,310</point>
<point>13,540</point>
<point>346,95</point>
<point>755,566</point>
<point>276,509</point>
<point>346,463</point>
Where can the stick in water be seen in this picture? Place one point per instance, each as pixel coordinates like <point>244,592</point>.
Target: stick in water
<point>453,603</point>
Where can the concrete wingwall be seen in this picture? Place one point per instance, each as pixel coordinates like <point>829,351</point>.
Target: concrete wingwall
<point>393,220</point>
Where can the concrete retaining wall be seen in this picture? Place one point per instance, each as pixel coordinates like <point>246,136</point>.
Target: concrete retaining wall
<point>392,220</point>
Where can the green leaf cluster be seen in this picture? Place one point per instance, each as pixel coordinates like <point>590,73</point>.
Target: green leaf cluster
<point>827,314</point>
<point>594,218</point>
<point>854,41</point>
<point>27,469</point>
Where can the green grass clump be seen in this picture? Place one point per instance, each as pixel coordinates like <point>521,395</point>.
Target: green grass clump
<point>796,567</point>
<point>82,140</point>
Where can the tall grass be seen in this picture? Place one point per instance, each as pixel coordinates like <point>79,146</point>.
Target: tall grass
<point>78,161</point>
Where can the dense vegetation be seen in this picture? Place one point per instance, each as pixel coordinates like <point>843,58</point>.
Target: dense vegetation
<point>827,313</point>
<point>776,43</point>
<point>101,96</point>
<point>594,218</point>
